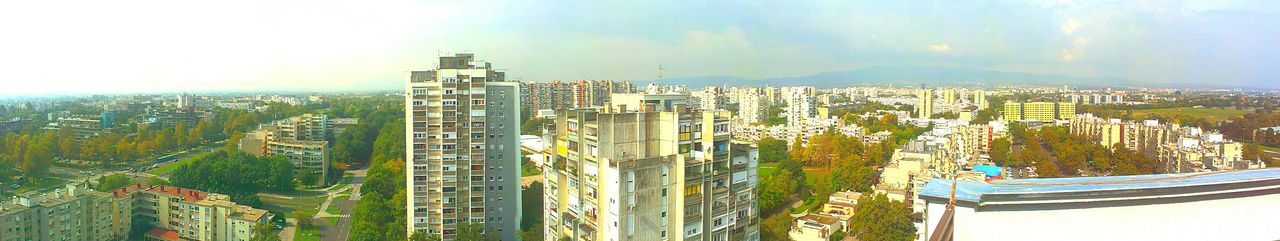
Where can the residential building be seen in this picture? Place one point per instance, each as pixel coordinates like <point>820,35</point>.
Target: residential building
<point>303,140</point>
<point>555,95</point>
<point>924,103</point>
<point>341,124</point>
<point>463,135</point>
<point>85,126</point>
<point>12,125</point>
<point>800,104</point>
<point>307,156</point>
<point>1178,148</point>
<point>751,108</point>
<point>1046,112</point>
<point>814,227</point>
<point>79,213</point>
<point>980,99</point>
<point>661,172</point>
<point>949,96</point>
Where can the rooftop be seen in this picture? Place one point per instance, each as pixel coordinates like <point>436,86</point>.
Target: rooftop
<point>1095,188</point>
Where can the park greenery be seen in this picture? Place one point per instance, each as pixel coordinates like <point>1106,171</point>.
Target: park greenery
<point>828,163</point>
<point>240,175</point>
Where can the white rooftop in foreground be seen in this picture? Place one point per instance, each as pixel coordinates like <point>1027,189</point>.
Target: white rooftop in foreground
<point>1232,205</point>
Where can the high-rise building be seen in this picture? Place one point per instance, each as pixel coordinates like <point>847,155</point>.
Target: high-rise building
<point>1039,111</point>
<point>980,99</point>
<point>660,172</point>
<point>751,108</point>
<point>800,103</point>
<point>554,95</point>
<point>924,104</point>
<point>949,96</point>
<point>463,137</point>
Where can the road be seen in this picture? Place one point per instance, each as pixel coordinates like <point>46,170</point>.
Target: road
<point>342,228</point>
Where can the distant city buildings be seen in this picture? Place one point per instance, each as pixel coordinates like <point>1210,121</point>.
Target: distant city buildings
<point>1178,148</point>
<point>79,213</point>
<point>463,125</point>
<point>554,95</point>
<point>648,168</point>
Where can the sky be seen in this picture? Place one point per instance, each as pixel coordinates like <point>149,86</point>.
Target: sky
<point>90,46</point>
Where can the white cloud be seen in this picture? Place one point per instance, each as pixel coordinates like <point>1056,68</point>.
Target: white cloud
<point>940,47</point>
<point>1070,26</point>
<point>1073,52</point>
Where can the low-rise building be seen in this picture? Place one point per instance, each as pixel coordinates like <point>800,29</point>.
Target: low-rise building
<point>814,227</point>
<point>79,213</point>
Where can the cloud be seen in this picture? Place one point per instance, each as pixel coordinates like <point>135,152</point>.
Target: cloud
<point>940,47</point>
<point>1070,26</point>
<point>1073,52</point>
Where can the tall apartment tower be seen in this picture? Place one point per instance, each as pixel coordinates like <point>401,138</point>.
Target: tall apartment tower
<point>949,96</point>
<point>924,106</point>
<point>800,103</point>
<point>980,99</point>
<point>462,130</point>
<point>648,169</point>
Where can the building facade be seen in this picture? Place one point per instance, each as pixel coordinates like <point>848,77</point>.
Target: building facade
<point>79,213</point>
<point>463,135</point>
<point>924,103</point>
<point>800,103</point>
<point>1039,111</point>
<point>651,173</point>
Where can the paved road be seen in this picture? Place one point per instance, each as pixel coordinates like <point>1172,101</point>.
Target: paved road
<point>342,228</point>
<point>286,234</point>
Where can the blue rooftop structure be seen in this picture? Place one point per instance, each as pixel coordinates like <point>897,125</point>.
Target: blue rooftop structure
<point>1092,187</point>
<point>989,170</point>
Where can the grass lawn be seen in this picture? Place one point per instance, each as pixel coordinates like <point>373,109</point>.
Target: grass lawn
<point>342,197</point>
<point>289,205</point>
<point>174,166</point>
<point>307,234</point>
<point>529,170</point>
<point>348,191</point>
<point>767,169</point>
<point>38,184</point>
<point>333,209</point>
<point>1212,115</point>
<point>332,220</point>
<point>814,174</point>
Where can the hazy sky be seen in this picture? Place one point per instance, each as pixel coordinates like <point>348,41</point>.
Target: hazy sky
<point>164,45</point>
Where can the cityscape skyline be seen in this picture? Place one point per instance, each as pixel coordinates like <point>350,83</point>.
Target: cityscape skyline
<point>329,46</point>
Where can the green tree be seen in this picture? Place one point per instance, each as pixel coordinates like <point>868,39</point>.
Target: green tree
<point>880,219</point>
<point>772,150</point>
<point>1000,148</point>
<point>111,182</point>
<point>473,232</point>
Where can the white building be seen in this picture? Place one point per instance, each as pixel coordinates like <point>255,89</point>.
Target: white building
<point>800,103</point>
<point>464,153</point>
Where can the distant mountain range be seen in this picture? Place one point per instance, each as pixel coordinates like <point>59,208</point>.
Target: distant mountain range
<point>914,76</point>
